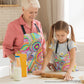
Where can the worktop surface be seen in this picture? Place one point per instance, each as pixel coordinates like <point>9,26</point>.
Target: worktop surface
<point>33,79</point>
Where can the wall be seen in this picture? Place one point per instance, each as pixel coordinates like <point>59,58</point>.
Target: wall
<point>49,13</point>
<point>7,14</point>
<point>45,15</point>
<point>76,19</point>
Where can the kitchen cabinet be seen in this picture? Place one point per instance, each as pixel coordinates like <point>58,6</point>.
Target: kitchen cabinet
<point>9,3</point>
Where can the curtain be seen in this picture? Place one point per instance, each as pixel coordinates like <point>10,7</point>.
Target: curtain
<point>50,12</point>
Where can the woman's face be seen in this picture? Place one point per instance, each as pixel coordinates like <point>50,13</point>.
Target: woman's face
<point>61,35</point>
<point>30,13</point>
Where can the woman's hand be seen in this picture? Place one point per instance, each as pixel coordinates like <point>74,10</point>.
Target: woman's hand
<point>51,66</point>
<point>67,76</point>
<point>12,57</point>
<point>38,72</point>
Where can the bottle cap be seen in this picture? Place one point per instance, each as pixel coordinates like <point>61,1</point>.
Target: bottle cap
<point>17,56</point>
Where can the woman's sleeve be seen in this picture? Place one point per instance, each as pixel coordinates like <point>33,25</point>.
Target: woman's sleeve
<point>9,40</point>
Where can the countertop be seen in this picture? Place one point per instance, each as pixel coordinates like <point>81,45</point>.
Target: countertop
<point>33,79</point>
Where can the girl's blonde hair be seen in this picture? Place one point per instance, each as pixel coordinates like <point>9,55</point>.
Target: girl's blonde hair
<point>30,3</point>
<point>60,25</point>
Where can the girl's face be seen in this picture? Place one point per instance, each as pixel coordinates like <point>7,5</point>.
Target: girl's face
<point>30,13</point>
<point>61,36</point>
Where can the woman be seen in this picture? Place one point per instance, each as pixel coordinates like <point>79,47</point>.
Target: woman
<point>25,35</point>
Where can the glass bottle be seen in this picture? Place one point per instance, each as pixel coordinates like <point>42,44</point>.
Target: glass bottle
<point>17,75</point>
<point>11,69</point>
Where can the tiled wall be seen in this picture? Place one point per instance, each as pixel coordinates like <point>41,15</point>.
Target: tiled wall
<point>80,54</point>
<point>7,14</point>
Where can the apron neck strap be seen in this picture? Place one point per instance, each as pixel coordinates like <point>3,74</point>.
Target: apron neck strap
<point>23,29</point>
<point>67,45</point>
<point>57,46</point>
<point>37,27</point>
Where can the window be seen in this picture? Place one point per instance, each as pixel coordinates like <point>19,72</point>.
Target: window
<point>74,15</point>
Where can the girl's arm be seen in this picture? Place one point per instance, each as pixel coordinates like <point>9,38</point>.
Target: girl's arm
<point>72,63</point>
<point>45,62</point>
<point>72,59</point>
<point>47,59</point>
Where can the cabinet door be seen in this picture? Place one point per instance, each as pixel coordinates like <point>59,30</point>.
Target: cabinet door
<point>14,2</point>
<point>8,2</point>
<point>4,2</point>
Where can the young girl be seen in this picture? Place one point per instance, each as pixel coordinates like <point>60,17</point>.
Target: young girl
<point>62,50</point>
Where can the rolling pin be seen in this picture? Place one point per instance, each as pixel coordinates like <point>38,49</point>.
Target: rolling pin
<point>48,75</point>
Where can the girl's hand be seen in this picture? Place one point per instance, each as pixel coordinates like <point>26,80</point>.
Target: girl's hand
<point>38,72</point>
<point>67,76</point>
<point>51,66</point>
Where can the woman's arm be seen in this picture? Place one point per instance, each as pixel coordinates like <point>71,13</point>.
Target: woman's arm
<point>12,57</point>
<point>8,42</point>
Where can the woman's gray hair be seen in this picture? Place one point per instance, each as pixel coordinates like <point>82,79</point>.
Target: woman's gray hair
<point>30,3</point>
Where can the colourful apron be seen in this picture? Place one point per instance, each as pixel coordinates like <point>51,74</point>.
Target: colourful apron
<point>33,48</point>
<point>62,63</point>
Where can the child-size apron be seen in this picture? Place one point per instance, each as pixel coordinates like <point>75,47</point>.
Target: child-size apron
<point>33,48</point>
<point>62,63</point>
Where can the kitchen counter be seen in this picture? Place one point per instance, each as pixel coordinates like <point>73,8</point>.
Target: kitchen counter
<point>33,79</point>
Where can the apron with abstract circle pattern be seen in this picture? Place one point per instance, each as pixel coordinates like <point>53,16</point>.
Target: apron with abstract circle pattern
<point>32,47</point>
<point>62,62</point>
